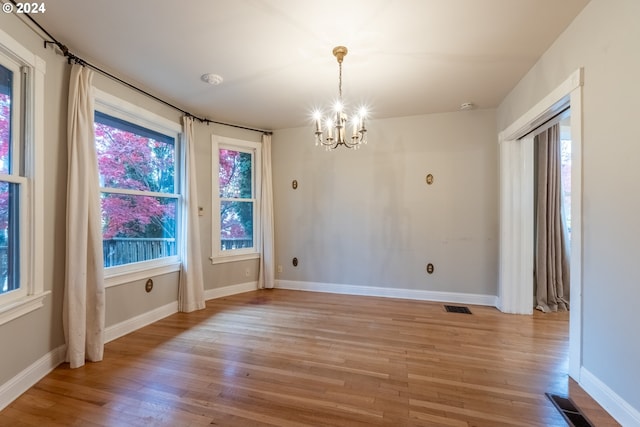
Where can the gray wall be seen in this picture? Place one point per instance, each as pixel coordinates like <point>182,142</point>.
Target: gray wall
<point>604,40</point>
<point>367,217</point>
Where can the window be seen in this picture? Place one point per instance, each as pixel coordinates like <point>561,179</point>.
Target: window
<point>11,179</point>
<point>21,229</point>
<point>139,167</point>
<point>236,196</point>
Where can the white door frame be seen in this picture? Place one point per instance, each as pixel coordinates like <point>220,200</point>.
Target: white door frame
<point>515,288</point>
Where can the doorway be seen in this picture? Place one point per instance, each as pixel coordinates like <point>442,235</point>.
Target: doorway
<point>516,210</point>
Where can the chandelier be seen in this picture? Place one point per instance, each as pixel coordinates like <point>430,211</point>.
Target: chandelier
<point>338,121</point>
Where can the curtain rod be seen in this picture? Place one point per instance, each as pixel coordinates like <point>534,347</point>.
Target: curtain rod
<point>76,59</point>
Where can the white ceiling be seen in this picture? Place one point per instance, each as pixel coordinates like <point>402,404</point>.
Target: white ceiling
<point>406,57</point>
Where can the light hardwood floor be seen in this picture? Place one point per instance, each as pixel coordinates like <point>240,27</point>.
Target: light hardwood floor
<point>290,358</point>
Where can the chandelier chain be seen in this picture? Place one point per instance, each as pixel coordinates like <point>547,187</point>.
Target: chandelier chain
<point>340,82</point>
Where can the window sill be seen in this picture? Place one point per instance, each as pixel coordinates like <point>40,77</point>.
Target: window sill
<point>122,277</point>
<point>21,307</point>
<point>233,258</point>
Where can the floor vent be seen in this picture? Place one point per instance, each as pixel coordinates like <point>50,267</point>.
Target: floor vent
<point>572,415</point>
<point>457,309</point>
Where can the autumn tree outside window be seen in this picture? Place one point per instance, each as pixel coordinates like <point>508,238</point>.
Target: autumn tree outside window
<point>139,165</point>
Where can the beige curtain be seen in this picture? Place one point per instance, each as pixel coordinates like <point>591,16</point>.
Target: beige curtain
<point>191,288</point>
<point>83,305</point>
<point>266,277</point>
<point>552,260</point>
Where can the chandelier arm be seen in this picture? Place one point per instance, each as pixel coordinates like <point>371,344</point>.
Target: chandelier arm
<point>327,142</point>
<point>349,144</point>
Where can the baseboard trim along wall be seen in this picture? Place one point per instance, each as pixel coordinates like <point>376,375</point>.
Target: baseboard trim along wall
<point>225,291</point>
<point>123,328</point>
<point>26,379</point>
<point>414,294</point>
<point>616,406</point>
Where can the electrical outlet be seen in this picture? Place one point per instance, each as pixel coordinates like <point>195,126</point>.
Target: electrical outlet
<point>279,269</point>
<point>247,272</point>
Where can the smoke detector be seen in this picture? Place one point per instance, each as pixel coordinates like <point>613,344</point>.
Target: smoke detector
<point>467,106</point>
<point>211,78</point>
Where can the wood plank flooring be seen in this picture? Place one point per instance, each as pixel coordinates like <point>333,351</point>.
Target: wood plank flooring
<point>289,358</point>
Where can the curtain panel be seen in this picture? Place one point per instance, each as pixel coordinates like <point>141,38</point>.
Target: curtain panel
<point>84,296</point>
<point>266,276</point>
<point>191,287</point>
<point>552,259</point>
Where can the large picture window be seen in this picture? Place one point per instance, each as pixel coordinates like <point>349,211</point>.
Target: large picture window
<point>236,197</point>
<point>139,171</point>
<point>21,190</point>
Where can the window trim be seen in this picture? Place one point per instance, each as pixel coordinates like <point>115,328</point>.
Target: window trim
<point>121,109</point>
<point>33,70</point>
<point>219,256</point>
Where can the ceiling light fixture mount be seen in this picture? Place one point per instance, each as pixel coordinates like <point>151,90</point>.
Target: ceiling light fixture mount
<point>466,106</point>
<point>211,78</point>
<point>337,125</point>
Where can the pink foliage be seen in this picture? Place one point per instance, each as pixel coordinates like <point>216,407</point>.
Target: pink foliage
<point>133,162</point>
<point>230,180</point>
<point>5,127</point>
<point>232,228</point>
<point>227,166</point>
<point>5,143</point>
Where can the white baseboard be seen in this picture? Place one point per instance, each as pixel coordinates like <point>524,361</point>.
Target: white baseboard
<point>230,290</point>
<point>123,328</point>
<point>616,406</point>
<point>26,379</point>
<point>415,294</point>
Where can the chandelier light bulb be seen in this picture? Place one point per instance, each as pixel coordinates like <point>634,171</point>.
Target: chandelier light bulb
<point>355,122</point>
